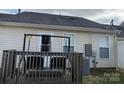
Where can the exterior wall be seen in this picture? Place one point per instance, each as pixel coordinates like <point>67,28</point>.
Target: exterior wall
<point>120,49</point>
<point>93,38</point>
<point>120,53</point>
<point>12,38</point>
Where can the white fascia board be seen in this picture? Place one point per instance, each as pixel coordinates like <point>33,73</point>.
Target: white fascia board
<point>57,27</point>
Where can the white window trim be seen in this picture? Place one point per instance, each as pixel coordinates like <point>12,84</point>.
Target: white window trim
<point>63,43</point>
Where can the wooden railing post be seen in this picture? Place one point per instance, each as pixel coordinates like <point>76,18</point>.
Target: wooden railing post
<point>3,68</point>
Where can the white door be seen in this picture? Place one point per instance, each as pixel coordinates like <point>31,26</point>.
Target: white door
<point>120,54</point>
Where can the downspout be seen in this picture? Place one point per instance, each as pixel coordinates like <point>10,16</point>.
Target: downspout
<point>90,58</point>
<point>115,52</point>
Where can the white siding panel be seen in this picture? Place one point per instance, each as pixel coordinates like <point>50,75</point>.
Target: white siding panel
<point>120,48</point>
<point>12,38</point>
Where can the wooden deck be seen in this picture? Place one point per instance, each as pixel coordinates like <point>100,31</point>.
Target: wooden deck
<point>41,67</point>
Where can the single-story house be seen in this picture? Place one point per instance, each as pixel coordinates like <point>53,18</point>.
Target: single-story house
<point>87,37</point>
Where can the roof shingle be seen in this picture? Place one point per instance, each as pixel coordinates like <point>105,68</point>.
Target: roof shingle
<point>50,19</point>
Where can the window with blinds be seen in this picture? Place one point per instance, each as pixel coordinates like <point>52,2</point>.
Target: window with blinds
<point>104,47</point>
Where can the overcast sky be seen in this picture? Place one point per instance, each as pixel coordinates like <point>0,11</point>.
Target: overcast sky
<point>103,16</point>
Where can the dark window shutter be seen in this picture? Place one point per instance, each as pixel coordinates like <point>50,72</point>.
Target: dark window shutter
<point>88,50</point>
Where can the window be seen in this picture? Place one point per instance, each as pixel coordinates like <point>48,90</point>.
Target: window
<point>104,47</point>
<point>65,43</point>
<point>45,43</point>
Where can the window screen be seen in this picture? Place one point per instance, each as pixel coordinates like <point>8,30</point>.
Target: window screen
<point>104,52</point>
<point>65,42</point>
<point>104,47</point>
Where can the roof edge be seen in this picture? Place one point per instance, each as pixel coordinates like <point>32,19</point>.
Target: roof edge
<point>57,27</point>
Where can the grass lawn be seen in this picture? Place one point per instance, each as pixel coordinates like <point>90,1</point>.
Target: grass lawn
<point>104,76</point>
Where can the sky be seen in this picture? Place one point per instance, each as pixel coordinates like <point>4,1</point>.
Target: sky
<point>103,16</point>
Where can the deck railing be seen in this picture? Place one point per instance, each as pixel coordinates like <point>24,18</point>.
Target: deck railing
<point>41,67</point>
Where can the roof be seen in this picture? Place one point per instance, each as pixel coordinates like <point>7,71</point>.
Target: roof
<point>2,15</point>
<point>50,19</point>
